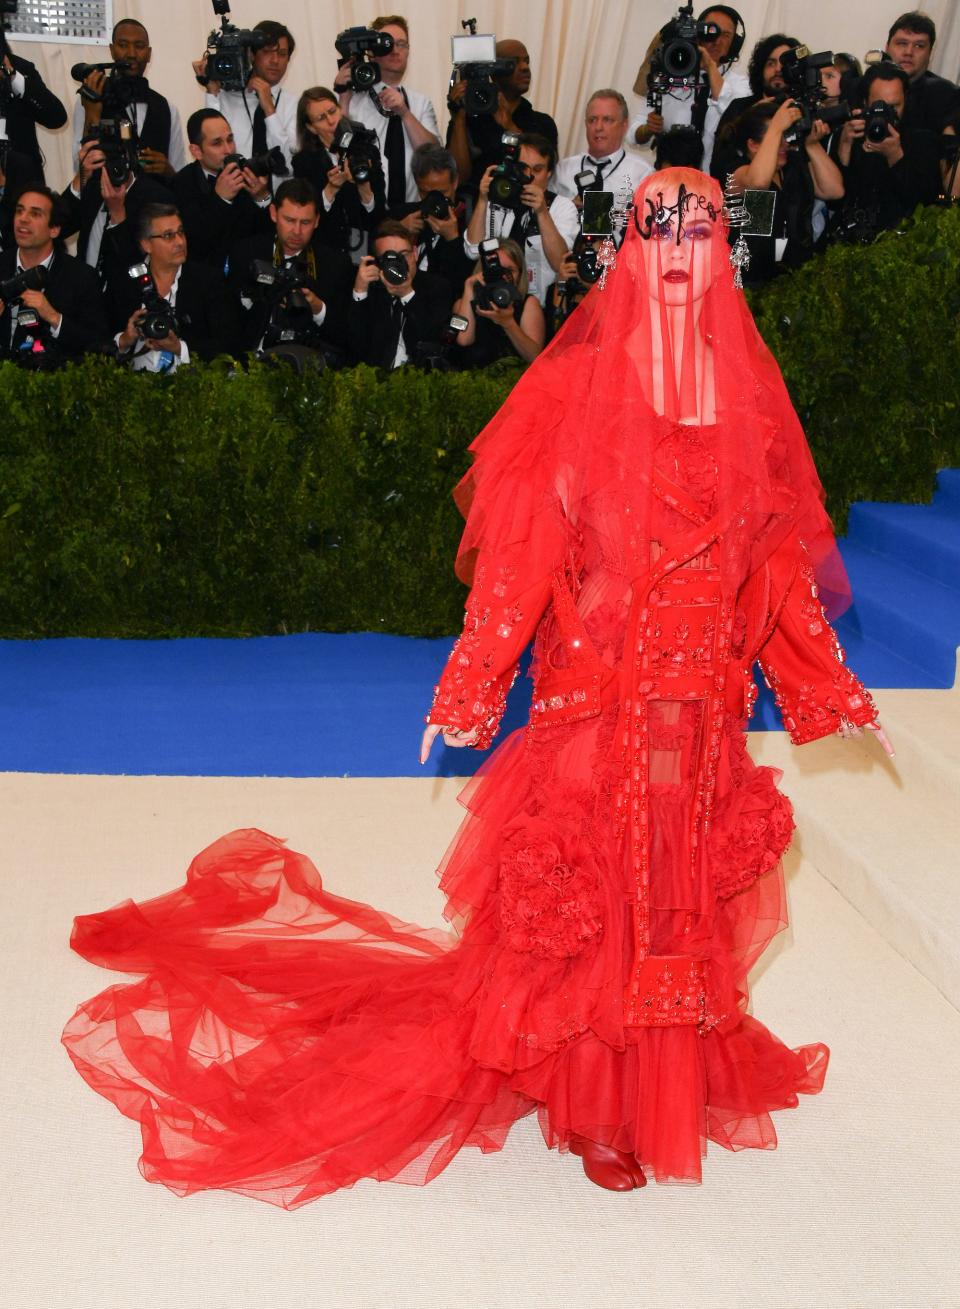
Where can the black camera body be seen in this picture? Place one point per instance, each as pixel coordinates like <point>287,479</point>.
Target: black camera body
<point>393,264</point>
<point>230,51</point>
<point>291,320</point>
<point>586,251</point>
<point>495,291</point>
<point>274,161</point>
<point>483,93</point>
<point>359,147</point>
<point>510,176</point>
<point>28,279</point>
<point>160,319</point>
<point>436,205</point>
<point>879,118</point>
<point>359,46</point>
<point>676,60</point>
<point>801,73</point>
<point>117,139</point>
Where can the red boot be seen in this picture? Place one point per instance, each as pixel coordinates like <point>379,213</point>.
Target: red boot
<point>614,1170</point>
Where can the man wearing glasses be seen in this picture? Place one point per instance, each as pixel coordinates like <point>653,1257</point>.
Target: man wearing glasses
<point>194,293</point>
<point>402,119</point>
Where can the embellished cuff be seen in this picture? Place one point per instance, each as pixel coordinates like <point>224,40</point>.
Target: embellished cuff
<point>813,711</point>
<point>463,705</point>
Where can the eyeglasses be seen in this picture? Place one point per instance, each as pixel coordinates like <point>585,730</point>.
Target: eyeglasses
<point>171,235</point>
<point>401,45</point>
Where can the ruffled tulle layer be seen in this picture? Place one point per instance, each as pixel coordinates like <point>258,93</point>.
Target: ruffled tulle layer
<point>285,1042</point>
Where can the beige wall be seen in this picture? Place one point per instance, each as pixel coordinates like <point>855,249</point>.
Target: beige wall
<point>576,45</point>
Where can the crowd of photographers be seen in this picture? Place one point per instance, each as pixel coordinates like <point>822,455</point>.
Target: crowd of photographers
<point>337,227</point>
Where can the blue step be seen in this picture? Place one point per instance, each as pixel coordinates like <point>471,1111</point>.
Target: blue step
<point>948,488</point>
<point>925,538</point>
<point>915,617</point>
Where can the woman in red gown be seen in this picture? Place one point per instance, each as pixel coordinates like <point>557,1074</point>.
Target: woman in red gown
<point>645,507</point>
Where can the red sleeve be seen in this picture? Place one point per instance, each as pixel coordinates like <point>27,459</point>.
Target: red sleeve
<point>802,659</point>
<point>503,609</point>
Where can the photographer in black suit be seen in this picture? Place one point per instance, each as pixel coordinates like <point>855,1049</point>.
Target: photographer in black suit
<point>194,300</point>
<point>26,103</point>
<point>390,320</point>
<point>438,219</point>
<point>157,120</point>
<point>220,205</point>
<point>16,172</point>
<point>299,293</point>
<point>67,316</point>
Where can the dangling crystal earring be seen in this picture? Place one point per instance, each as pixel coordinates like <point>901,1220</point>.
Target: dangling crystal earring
<point>607,250</point>
<point>736,214</point>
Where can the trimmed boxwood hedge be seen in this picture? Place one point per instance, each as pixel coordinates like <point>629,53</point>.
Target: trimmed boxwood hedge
<point>230,502</point>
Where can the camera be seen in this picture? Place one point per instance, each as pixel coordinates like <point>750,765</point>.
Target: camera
<point>160,319</point>
<point>120,90</point>
<point>261,165</point>
<point>801,73</point>
<point>230,51</point>
<point>291,320</point>
<point>393,264</point>
<point>676,60</point>
<point>436,205</point>
<point>585,252</point>
<point>359,45</point>
<point>496,291</point>
<point>359,147</point>
<point>510,176</point>
<point>28,279</point>
<point>475,62</point>
<point>586,180</point>
<point>117,139</point>
<point>879,118</point>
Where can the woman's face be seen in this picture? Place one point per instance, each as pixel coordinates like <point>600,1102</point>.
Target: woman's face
<point>679,250</point>
<point>322,119</point>
<point>783,154</point>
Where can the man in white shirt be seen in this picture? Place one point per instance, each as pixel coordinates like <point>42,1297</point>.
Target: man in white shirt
<point>408,118</point>
<point>263,115</point>
<point>614,167</point>
<point>704,106</point>
<point>544,225</point>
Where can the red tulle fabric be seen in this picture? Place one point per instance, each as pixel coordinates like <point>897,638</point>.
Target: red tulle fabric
<point>284,1042</point>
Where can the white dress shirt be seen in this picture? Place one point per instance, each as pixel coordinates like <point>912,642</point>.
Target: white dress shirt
<point>239,108</point>
<point>161,361</point>
<point>363,109</point>
<point>401,356</point>
<point>677,111</point>
<point>623,171</point>
<point>540,272</point>
<point>177,151</point>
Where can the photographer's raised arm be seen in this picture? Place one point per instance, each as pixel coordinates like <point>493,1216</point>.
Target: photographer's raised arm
<point>458,138</point>
<point>824,173</point>
<point>759,173</point>
<point>477,227</point>
<point>555,245</point>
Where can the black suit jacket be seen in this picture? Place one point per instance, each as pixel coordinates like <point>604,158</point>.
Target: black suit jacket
<point>373,333</point>
<point>446,259</point>
<point>206,314</point>
<point>72,288</point>
<point>212,225</point>
<point>120,247</point>
<point>930,101</point>
<point>892,194</point>
<point>38,104</point>
<point>346,214</point>
<point>333,283</point>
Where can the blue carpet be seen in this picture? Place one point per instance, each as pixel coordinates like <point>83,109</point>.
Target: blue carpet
<point>342,705</point>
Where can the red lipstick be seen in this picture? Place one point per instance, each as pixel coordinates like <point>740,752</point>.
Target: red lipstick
<point>676,275</point>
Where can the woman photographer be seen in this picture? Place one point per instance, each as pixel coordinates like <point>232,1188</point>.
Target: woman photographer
<point>349,209</point>
<point>519,329</point>
<point>797,174</point>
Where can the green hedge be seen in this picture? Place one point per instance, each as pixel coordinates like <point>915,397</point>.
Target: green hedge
<point>221,502</point>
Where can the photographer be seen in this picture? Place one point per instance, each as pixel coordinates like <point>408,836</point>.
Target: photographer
<point>950,167</point>
<point>798,174</point>
<point>518,329</point>
<point>349,209</point>
<point>766,82</point>
<point>930,99</point>
<point>389,321</point>
<point>402,119</point>
<point>192,299</point>
<point>888,168</point>
<point>543,224</point>
<point>64,318</point>
<point>307,304</point>
<point>437,221</point>
<point>699,106</point>
<point>220,203</point>
<point>25,103</point>
<point>475,141</point>
<point>262,115</point>
<point>127,91</point>
<point>614,169</point>
<point>17,171</point>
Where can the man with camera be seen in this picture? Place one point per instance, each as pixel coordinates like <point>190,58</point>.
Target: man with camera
<point>51,309</point>
<point>888,168</point>
<point>16,171</point>
<point>126,92</point>
<point>437,220</point>
<point>475,140</point>
<point>514,202</point>
<point>606,165</point>
<point>765,82</point>
<point>291,289</point>
<point>397,311</point>
<point>168,310</point>
<point>402,119</point>
<point>930,99</point>
<point>26,103</point>
<point>262,115</point>
<point>221,200</point>
<point>688,77</point>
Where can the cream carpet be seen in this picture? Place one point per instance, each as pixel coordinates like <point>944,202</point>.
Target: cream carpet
<point>857,1206</point>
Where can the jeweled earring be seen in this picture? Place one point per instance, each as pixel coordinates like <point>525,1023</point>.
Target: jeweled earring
<point>736,214</point>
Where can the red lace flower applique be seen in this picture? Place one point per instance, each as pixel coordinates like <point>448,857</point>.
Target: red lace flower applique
<point>549,889</point>
<point>750,831</point>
